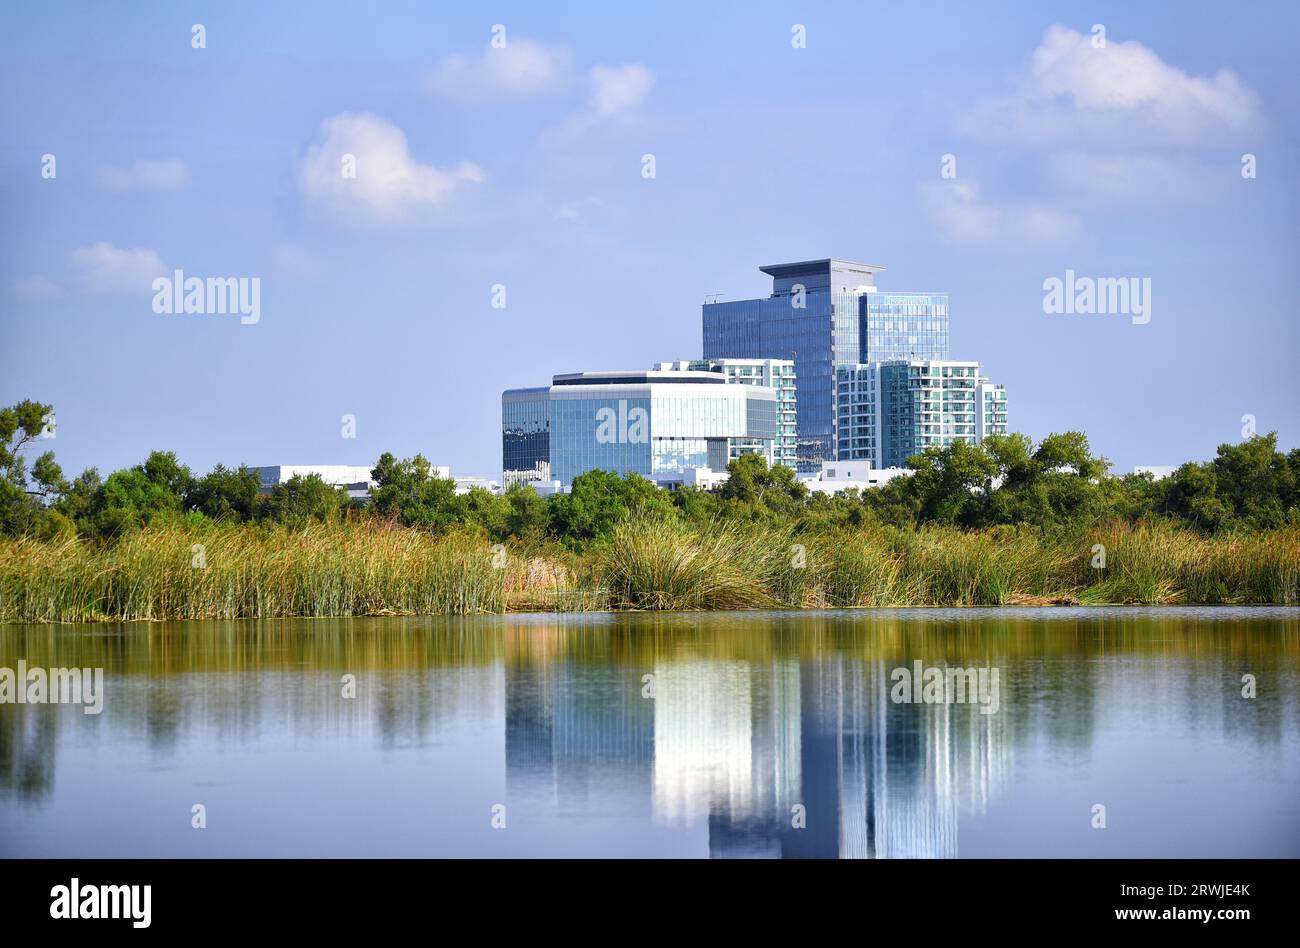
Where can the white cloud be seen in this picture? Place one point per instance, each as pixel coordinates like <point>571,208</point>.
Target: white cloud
<point>965,218</point>
<point>522,68</point>
<point>616,90</point>
<point>103,268</point>
<point>390,186</point>
<point>616,96</point>
<point>1122,93</point>
<point>144,175</point>
<point>1120,124</point>
<point>37,288</point>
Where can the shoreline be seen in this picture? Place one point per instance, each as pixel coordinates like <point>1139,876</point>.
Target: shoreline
<point>1010,607</point>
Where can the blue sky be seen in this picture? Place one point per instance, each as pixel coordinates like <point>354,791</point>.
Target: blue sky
<point>523,166</point>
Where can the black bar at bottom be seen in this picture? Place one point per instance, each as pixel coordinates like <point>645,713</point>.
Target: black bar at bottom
<point>299,897</point>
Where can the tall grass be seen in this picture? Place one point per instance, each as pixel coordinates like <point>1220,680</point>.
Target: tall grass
<point>552,578</point>
<point>663,564</point>
<point>1159,564</point>
<point>352,569</point>
<point>948,567</point>
<point>229,572</point>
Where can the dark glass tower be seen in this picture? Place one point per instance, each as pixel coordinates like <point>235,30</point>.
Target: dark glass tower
<point>824,313</point>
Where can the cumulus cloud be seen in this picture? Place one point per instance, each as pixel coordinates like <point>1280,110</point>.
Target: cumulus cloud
<point>144,175</point>
<point>103,268</point>
<point>1124,92</point>
<point>1115,122</point>
<point>964,217</point>
<point>389,187</point>
<point>523,67</point>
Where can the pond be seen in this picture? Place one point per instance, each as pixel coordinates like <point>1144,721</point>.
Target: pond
<point>845,733</point>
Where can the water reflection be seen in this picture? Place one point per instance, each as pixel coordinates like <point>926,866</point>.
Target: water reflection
<point>722,735</point>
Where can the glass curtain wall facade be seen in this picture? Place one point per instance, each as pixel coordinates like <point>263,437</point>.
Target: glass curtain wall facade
<point>607,429</point>
<point>904,326</point>
<point>526,435</point>
<point>821,314</point>
<point>774,329</point>
<point>656,424</point>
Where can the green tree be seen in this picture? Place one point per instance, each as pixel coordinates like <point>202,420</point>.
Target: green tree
<point>79,497</point>
<point>23,496</point>
<point>1250,484</point>
<point>696,505</point>
<point>302,499</point>
<point>135,496</point>
<point>483,510</point>
<point>952,485</point>
<point>755,491</point>
<point>1058,482</point>
<point>1191,493</point>
<point>1256,481</point>
<point>226,493</point>
<point>409,491</point>
<point>600,499</point>
<point>529,515</point>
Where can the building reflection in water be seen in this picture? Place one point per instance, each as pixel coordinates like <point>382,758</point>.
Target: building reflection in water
<point>753,724</point>
<point>741,745</point>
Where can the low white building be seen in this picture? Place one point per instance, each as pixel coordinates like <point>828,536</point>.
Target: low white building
<point>354,477</point>
<point>705,478</point>
<point>1157,471</point>
<point>467,482</point>
<point>837,476</point>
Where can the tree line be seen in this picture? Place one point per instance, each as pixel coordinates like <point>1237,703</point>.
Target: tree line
<point>1056,483</point>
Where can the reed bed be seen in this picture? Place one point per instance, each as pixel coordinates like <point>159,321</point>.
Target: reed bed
<point>1155,564</point>
<point>552,580</point>
<point>233,572</point>
<point>663,564</point>
<point>355,569</point>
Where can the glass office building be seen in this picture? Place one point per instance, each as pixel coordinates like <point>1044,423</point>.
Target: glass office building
<point>889,411</point>
<point>821,314</point>
<point>777,374</point>
<point>660,424</point>
<point>526,435</point>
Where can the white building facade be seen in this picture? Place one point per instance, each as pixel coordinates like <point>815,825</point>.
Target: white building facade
<point>776,374</point>
<point>888,411</point>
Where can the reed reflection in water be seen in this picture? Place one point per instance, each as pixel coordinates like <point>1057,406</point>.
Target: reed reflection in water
<point>682,734</point>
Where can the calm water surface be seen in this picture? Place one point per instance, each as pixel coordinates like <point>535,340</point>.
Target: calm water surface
<point>745,721</point>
